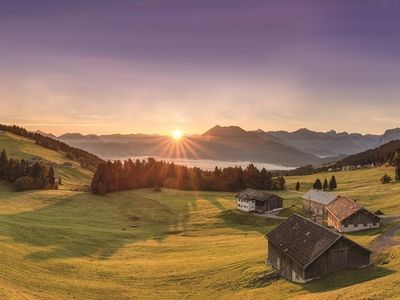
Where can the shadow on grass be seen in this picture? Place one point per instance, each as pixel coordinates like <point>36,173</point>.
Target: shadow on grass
<point>236,219</point>
<point>84,225</point>
<point>346,278</point>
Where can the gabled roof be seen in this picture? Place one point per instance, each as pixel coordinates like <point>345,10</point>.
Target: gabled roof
<point>252,194</point>
<point>343,207</point>
<point>319,196</point>
<point>302,239</point>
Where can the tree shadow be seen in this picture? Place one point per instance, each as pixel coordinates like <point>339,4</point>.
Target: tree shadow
<point>247,222</point>
<point>84,225</point>
<point>346,278</point>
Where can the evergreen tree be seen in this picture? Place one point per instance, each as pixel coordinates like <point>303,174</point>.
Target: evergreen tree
<point>317,184</point>
<point>297,186</point>
<point>325,185</point>
<point>386,179</point>
<point>266,180</point>
<point>50,177</point>
<point>3,165</point>
<point>332,183</point>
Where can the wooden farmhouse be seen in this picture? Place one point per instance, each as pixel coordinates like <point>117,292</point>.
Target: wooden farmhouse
<point>302,250</point>
<point>315,202</point>
<point>251,200</point>
<point>346,215</point>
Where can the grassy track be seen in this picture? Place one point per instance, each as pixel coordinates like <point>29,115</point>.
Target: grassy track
<point>174,244</point>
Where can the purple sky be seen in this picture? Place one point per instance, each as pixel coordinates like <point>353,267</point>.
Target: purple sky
<point>154,66</point>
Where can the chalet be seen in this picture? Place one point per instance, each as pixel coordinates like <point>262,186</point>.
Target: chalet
<point>345,215</point>
<point>302,250</point>
<point>251,200</point>
<point>315,202</point>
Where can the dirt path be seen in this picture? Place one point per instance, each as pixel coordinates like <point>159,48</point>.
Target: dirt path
<point>386,239</point>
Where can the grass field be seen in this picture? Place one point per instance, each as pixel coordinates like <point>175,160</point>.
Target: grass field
<point>175,244</point>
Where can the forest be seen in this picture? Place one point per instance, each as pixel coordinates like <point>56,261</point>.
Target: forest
<point>26,176</point>
<point>127,175</point>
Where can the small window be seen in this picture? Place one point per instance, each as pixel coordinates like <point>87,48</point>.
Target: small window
<point>345,225</point>
<point>355,225</point>
<point>374,224</point>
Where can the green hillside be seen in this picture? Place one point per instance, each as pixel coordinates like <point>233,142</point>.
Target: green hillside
<point>65,244</point>
<point>21,148</point>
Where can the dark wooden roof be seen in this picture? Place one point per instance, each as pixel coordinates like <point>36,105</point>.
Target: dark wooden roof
<point>343,207</point>
<point>302,239</point>
<point>252,194</point>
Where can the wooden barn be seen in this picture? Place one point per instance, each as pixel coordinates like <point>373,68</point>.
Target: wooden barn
<point>250,200</point>
<point>315,202</point>
<point>345,215</point>
<point>302,250</point>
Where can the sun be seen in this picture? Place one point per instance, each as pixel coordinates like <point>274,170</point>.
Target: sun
<point>177,135</point>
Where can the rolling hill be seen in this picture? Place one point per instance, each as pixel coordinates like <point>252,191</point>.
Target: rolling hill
<point>18,147</point>
<point>65,244</point>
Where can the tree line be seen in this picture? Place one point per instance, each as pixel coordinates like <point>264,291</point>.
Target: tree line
<point>87,160</point>
<point>117,176</point>
<point>26,176</point>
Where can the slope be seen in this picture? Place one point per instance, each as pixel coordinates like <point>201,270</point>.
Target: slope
<point>22,148</point>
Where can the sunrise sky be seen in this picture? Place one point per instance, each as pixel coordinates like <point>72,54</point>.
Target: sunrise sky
<point>153,66</point>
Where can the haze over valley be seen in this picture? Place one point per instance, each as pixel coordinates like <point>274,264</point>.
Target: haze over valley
<point>221,144</point>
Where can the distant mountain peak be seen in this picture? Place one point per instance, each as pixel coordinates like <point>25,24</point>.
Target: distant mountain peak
<point>302,130</point>
<point>392,131</point>
<point>226,131</point>
<point>259,131</point>
<point>331,132</point>
<point>45,134</point>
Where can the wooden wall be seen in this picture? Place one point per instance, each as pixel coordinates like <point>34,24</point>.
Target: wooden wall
<point>342,255</point>
<point>271,203</point>
<point>361,217</point>
<point>287,267</point>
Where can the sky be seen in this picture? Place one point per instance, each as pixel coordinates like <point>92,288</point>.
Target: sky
<point>153,66</point>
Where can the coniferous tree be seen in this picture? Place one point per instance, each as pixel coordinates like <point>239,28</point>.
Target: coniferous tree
<point>50,177</point>
<point>317,185</point>
<point>297,186</point>
<point>325,185</point>
<point>386,179</point>
<point>332,183</point>
<point>3,165</point>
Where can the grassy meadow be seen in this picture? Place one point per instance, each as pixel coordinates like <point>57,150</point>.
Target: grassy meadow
<point>66,244</point>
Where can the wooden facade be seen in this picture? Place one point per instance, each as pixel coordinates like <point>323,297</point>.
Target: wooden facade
<point>346,215</point>
<point>256,200</point>
<point>301,250</point>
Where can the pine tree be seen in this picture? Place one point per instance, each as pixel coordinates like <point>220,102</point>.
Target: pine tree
<point>50,177</point>
<point>332,183</point>
<point>4,166</point>
<point>297,186</point>
<point>317,185</point>
<point>325,186</point>
<point>386,179</point>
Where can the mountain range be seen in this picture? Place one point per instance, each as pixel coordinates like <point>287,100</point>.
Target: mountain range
<point>232,143</point>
